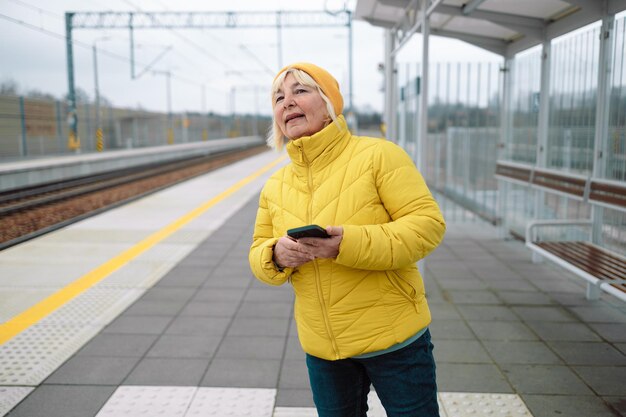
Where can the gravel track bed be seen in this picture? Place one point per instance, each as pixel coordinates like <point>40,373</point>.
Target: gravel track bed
<point>30,223</point>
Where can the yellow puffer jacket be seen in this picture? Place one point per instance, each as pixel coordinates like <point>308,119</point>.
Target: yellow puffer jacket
<point>371,296</point>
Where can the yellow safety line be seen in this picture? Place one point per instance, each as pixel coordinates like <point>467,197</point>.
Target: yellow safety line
<point>39,311</point>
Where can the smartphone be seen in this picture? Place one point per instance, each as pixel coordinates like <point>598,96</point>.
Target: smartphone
<point>311,230</point>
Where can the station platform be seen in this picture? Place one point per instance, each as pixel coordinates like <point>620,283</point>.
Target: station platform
<point>35,171</point>
<point>150,309</point>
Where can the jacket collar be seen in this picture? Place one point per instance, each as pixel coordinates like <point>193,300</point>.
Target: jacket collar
<point>329,141</point>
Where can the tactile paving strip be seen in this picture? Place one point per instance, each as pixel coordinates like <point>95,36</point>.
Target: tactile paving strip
<point>294,412</point>
<point>451,404</point>
<point>96,306</point>
<point>31,356</point>
<point>133,401</point>
<point>458,404</point>
<point>11,396</point>
<point>233,402</point>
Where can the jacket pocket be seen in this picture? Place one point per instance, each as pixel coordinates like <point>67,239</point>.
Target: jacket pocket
<point>401,285</point>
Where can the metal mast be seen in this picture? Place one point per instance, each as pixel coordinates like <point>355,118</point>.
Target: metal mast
<point>192,20</point>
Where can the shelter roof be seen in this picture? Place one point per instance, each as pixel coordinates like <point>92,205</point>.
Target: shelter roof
<point>504,27</point>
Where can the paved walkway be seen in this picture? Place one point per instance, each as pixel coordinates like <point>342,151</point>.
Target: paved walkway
<point>208,334</point>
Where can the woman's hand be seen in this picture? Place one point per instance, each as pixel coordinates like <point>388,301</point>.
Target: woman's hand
<point>288,253</point>
<point>324,247</point>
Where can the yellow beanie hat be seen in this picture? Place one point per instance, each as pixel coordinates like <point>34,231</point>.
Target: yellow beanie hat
<point>328,83</point>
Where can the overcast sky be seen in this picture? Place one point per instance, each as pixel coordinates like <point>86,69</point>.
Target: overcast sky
<point>37,60</point>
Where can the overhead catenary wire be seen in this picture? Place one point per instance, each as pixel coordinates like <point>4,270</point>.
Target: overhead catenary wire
<point>189,41</point>
<point>86,46</point>
<point>208,54</point>
<point>36,8</point>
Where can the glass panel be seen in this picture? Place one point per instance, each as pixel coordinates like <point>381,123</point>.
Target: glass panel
<point>525,106</point>
<point>573,91</point>
<point>616,158</point>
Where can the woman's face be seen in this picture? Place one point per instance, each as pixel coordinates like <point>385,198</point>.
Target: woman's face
<point>299,110</point>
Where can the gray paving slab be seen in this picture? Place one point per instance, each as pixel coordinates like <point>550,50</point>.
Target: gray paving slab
<point>145,307</point>
<point>270,295</point>
<point>605,380</point>
<point>599,314</point>
<point>566,405</point>
<point>209,309</point>
<point>513,284</point>
<point>263,309</point>
<point>487,313</point>
<point>450,329</point>
<point>244,373</point>
<point>184,346</point>
<point>252,326</point>
<point>469,351</point>
<point>545,379</point>
<point>541,313</point>
<point>473,297</point>
<point>444,310</point>
<point>287,397</point>
<point>618,403</point>
<point>112,344</point>
<point>501,330</point>
<point>521,352</point>
<point>464,377</point>
<point>138,324</point>
<point>218,294</point>
<point>294,375</point>
<point>198,326</point>
<point>575,332</point>
<point>168,372</point>
<point>185,276</point>
<point>220,280</point>
<point>525,298</point>
<point>93,370</point>
<point>177,294</point>
<point>465,283</point>
<point>293,349</point>
<point>588,353</point>
<point>63,401</point>
<point>610,332</point>
<point>252,347</point>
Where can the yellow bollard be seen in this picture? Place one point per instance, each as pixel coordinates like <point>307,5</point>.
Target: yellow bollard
<point>99,140</point>
<point>170,136</point>
<point>205,135</point>
<point>73,142</point>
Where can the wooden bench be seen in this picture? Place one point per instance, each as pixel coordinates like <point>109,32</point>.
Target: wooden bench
<point>604,270</point>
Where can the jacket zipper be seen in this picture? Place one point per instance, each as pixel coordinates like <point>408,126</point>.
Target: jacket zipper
<point>318,283</point>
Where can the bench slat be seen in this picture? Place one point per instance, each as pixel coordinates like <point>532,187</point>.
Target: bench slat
<point>588,258</point>
<point>596,257</point>
<point>593,260</point>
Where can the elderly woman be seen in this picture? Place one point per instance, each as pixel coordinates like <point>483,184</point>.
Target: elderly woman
<point>360,305</point>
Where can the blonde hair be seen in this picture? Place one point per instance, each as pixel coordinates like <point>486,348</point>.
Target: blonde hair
<point>275,137</point>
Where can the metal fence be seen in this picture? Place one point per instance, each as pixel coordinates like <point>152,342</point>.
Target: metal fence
<point>572,126</point>
<point>470,128</point>
<point>35,127</point>
<point>463,131</point>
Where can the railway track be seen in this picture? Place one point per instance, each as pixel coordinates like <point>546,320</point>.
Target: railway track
<point>33,211</point>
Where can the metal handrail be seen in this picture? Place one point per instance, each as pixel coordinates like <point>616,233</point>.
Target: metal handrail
<point>530,237</point>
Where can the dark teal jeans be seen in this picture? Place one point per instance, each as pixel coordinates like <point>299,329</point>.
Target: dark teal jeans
<point>404,381</point>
